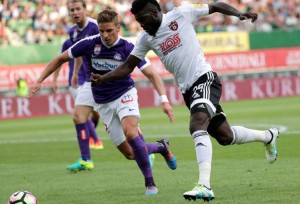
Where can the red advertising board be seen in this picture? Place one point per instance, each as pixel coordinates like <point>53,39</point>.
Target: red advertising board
<point>222,63</point>
<point>57,104</point>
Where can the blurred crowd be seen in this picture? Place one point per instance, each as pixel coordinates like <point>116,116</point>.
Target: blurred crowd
<point>43,21</point>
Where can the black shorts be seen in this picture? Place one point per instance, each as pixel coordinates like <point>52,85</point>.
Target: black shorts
<point>204,95</point>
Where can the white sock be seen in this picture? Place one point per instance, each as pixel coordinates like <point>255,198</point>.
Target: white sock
<point>203,149</point>
<point>244,135</point>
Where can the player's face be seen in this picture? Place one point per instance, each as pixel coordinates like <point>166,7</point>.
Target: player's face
<point>149,20</point>
<point>109,32</point>
<point>77,13</point>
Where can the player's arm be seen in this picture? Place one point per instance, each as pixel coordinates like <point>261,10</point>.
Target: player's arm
<point>77,66</point>
<point>226,9</point>
<point>54,82</point>
<point>155,79</point>
<point>121,71</point>
<point>50,68</point>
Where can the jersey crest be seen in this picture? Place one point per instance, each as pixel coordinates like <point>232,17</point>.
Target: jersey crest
<point>97,49</point>
<point>173,25</point>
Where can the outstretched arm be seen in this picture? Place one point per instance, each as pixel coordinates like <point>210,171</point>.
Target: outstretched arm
<point>77,66</point>
<point>123,70</point>
<point>50,68</point>
<point>226,9</point>
<point>158,84</point>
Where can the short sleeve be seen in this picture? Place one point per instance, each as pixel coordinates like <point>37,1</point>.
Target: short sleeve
<point>192,11</point>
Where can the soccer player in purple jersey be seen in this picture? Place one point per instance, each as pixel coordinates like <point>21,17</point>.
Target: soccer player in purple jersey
<point>172,37</point>
<point>94,142</point>
<point>117,101</point>
<point>85,128</point>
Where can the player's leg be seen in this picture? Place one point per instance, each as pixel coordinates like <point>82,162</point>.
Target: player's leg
<point>229,135</point>
<point>94,141</point>
<point>162,147</point>
<point>200,103</point>
<point>128,112</point>
<point>80,116</point>
<point>84,103</point>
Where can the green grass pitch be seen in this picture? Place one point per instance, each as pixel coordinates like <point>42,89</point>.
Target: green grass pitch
<point>34,153</point>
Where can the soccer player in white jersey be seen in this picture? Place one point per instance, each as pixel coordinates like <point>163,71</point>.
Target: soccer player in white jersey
<point>117,101</point>
<point>172,37</point>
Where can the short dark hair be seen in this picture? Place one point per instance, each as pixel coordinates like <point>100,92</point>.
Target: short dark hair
<point>75,1</point>
<point>108,16</point>
<point>138,5</point>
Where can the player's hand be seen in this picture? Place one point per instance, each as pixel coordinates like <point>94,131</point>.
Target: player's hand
<point>96,79</point>
<point>168,110</point>
<point>74,81</point>
<point>34,88</point>
<point>248,15</point>
<point>54,87</point>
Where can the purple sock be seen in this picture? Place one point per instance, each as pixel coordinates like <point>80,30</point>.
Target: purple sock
<point>153,147</point>
<point>83,140</point>
<point>141,157</point>
<point>92,130</point>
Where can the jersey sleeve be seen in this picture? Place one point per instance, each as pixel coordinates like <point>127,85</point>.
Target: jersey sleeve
<point>144,63</point>
<point>141,48</point>
<point>77,50</point>
<point>193,11</point>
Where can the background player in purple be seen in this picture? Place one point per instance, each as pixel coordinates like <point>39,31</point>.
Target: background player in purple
<point>117,101</point>
<point>172,37</point>
<point>84,26</point>
<point>94,142</point>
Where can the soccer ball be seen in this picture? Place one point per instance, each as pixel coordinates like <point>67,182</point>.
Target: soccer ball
<point>22,197</point>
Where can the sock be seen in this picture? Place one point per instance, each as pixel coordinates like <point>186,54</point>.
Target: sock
<point>141,157</point>
<point>153,147</point>
<point>92,130</point>
<point>203,149</point>
<point>244,135</point>
<point>95,122</point>
<point>83,140</point>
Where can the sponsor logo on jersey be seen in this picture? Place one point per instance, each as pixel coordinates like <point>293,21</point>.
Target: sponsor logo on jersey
<point>170,44</point>
<point>100,65</point>
<point>97,49</point>
<point>199,5</point>
<point>173,25</point>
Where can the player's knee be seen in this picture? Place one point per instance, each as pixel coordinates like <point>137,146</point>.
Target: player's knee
<point>78,119</point>
<point>198,125</point>
<point>224,139</point>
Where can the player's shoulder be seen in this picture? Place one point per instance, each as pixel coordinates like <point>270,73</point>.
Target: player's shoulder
<point>67,43</point>
<point>92,22</point>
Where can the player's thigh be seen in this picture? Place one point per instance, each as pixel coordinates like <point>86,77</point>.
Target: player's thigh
<point>112,123</point>
<point>128,112</point>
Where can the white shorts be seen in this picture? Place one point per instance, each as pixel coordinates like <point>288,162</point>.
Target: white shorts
<point>74,91</point>
<point>84,95</point>
<point>113,112</point>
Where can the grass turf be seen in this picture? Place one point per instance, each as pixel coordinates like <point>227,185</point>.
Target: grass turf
<point>34,153</point>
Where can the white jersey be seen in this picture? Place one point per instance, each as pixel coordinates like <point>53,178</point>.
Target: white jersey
<point>176,45</point>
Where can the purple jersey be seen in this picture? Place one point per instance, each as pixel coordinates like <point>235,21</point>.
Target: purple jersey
<point>77,34</point>
<point>101,59</point>
<point>82,71</point>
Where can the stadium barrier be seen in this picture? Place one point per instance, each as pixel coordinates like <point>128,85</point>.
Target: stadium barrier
<point>236,62</point>
<point>216,42</point>
<point>59,104</point>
